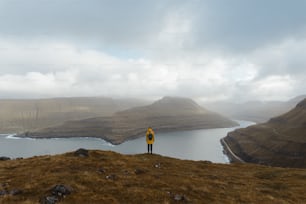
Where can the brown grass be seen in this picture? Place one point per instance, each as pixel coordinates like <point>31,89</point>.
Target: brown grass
<point>149,179</point>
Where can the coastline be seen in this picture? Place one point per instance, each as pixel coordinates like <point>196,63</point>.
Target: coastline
<point>114,139</point>
<point>55,145</point>
<point>233,158</point>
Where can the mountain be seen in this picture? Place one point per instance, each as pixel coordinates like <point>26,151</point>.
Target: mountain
<point>279,142</point>
<point>20,115</point>
<point>165,115</point>
<point>108,177</point>
<point>256,111</point>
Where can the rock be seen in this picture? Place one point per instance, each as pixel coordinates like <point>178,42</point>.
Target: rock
<point>61,190</point>
<point>15,192</point>
<point>49,200</point>
<point>178,197</point>
<point>81,153</point>
<point>157,165</point>
<point>12,192</point>
<point>139,171</point>
<point>111,177</point>
<point>101,171</point>
<point>3,193</point>
<point>4,158</point>
<point>58,192</point>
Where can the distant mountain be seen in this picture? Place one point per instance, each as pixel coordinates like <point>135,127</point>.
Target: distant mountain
<point>256,111</point>
<point>279,142</point>
<point>167,106</point>
<point>165,115</point>
<point>20,115</point>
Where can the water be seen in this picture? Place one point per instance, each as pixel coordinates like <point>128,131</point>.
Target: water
<point>193,145</point>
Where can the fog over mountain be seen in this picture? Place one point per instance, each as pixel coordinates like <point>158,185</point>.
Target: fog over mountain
<point>30,114</point>
<point>205,50</point>
<point>278,142</point>
<point>169,114</point>
<point>256,111</point>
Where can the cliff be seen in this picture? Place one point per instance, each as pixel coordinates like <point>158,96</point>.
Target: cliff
<point>20,115</point>
<point>279,142</point>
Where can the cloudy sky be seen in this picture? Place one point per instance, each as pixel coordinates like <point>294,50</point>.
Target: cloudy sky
<point>205,49</point>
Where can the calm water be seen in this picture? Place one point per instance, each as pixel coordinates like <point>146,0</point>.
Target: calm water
<point>193,145</point>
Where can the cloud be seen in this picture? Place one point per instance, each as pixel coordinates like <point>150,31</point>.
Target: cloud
<point>247,25</point>
<point>281,58</point>
<point>100,23</point>
<point>208,50</point>
<point>35,84</point>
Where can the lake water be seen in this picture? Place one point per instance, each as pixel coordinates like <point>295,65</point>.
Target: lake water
<point>193,145</point>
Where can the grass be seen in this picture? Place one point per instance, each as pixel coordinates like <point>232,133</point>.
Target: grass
<point>279,142</point>
<point>108,177</point>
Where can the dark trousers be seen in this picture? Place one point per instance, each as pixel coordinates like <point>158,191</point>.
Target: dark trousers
<point>150,146</point>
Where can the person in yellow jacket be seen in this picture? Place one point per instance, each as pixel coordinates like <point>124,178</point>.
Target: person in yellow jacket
<point>150,138</point>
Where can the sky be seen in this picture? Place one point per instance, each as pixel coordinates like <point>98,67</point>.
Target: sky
<point>208,50</point>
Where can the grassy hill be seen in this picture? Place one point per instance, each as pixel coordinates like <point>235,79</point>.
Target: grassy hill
<point>165,115</point>
<point>20,115</point>
<point>108,177</point>
<point>279,142</point>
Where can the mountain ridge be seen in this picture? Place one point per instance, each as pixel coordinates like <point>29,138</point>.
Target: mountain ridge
<point>164,115</point>
<point>20,115</point>
<point>279,142</point>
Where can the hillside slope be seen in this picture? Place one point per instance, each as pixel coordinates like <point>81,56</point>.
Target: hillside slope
<point>279,142</point>
<point>20,115</point>
<point>108,177</point>
<point>165,115</point>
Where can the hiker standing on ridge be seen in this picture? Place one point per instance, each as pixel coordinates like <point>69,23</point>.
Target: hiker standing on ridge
<point>150,139</point>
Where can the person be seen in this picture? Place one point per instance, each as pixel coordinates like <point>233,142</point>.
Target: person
<point>150,138</point>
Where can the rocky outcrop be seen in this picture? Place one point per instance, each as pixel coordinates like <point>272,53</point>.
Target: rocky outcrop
<point>4,158</point>
<point>56,194</point>
<point>81,153</point>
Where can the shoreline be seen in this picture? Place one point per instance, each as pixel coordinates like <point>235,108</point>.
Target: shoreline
<point>233,158</point>
<point>126,147</point>
<point>120,140</point>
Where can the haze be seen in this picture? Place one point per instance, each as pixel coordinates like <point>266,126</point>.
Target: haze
<point>207,50</point>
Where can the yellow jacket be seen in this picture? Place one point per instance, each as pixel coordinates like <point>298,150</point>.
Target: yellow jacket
<point>150,130</point>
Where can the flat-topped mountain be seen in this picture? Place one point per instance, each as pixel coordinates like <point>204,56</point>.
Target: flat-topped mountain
<point>20,115</point>
<point>165,115</point>
<point>279,142</point>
